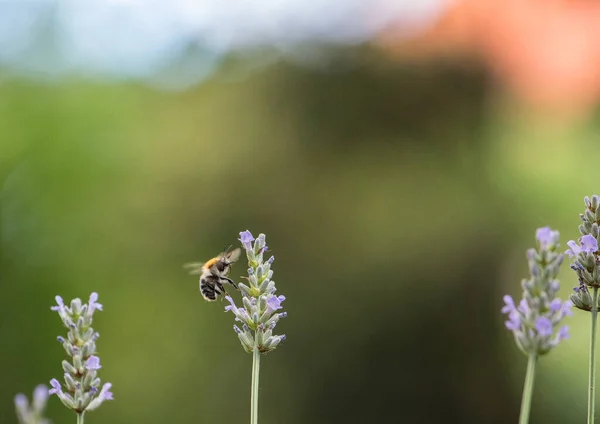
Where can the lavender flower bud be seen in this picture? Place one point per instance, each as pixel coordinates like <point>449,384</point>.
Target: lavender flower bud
<point>247,304</point>
<point>535,321</point>
<point>81,372</point>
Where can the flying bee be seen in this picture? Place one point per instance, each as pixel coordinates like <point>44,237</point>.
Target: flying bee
<point>214,273</point>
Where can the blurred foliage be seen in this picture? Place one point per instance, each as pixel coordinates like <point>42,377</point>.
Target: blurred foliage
<point>398,200</point>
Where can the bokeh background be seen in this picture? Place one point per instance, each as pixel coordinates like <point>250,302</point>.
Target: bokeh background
<point>398,155</point>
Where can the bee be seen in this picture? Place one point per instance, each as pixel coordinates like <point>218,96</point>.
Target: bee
<point>214,273</point>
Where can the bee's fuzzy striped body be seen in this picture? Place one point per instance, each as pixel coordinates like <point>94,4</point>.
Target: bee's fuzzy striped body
<point>214,274</point>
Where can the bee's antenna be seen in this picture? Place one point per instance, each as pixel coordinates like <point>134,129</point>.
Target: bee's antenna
<point>227,250</point>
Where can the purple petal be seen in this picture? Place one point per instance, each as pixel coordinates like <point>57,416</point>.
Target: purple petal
<point>563,333</point>
<point>274,303</point>
<point>61,304</point>
<point>55,387</point>
<point>589,243</point>
<point>93,363</point>
<point>514,321</point>
<point>566,308</point>
<point>543,326</point>
<point>555,305</point>
<point>524,307</point>
<point>106,393</point>
<point>509,304</point>
<point>546,237</point>
<point>574,249</point>
<point>93,304</point>
<point>232,306</point>
<point>246,238</point>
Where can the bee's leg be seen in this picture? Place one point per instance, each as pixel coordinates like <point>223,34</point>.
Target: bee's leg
<point>230,281</point>
<point>219,289</point>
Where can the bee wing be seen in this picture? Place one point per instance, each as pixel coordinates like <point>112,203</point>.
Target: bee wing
<point>233,255</point>
<point>193,268</point>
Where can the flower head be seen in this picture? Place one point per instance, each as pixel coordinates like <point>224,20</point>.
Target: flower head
<point>259,303</point>
<point>535,320</point>
<point>80,374</point>
<point>585,256</point>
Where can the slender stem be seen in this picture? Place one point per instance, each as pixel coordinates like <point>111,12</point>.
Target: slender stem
<point>528,389</point>
<point>255,375</point>
<point>592,388</point>
<point>80,418</point>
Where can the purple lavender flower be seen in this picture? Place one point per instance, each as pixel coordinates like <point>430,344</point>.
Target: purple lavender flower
<point>543,326</point>
<point>246,238</point>
<point>60,304</point>
<point>535,320</point>
<point>93,304</point>
<point>80,374</point>
<point>589,244</point>
<point>106,393</point>
<point>274,303</point>
<point>56,388</point>
<point>93,363</point>
<point>546,237</point>
<point>260,302</point>
<point>585,259</point>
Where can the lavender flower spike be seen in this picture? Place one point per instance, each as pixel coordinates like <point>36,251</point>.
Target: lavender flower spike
<point>584,255</point>
<point>34,413</point>
<point>535,322</point>
<point>260,302</point>
<point>82,391</point>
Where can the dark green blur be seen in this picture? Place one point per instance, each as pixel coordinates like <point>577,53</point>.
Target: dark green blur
<point>398,200</point>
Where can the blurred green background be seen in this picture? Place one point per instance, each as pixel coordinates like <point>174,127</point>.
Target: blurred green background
<point>398,199</point>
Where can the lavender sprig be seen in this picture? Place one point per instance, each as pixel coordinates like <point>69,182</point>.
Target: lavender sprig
<point>259,316</point>
<point>82,392</point>
<point>32,413</point>
<point>535,322</point>
<point>585,257</point>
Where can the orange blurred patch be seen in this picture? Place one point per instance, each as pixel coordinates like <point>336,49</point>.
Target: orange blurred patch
<point>546,51</point>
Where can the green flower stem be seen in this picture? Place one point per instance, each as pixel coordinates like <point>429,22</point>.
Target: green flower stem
<point>80,418</point>
<point>592,388</point>
<point>528,389</point>
<point>255,375</point>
